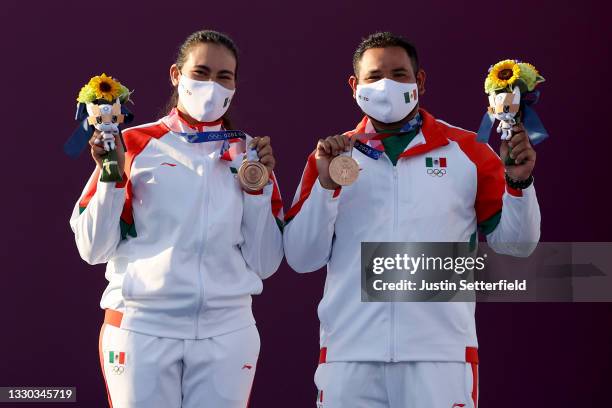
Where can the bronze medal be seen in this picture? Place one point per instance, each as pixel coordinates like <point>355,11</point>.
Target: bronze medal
<point>344,170</point>
<point>253,175</point>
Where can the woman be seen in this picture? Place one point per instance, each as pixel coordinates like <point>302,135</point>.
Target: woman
<point>185,246</point>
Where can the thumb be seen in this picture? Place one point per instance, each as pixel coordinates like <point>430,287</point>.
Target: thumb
<point>503,149</point>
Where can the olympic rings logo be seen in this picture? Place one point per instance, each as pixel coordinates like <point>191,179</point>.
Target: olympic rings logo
<point>118,369</point>
<point>436,172</point>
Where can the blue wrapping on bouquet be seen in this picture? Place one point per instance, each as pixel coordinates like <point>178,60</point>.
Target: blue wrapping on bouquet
<point>75,144</point>
<point>530,119</point>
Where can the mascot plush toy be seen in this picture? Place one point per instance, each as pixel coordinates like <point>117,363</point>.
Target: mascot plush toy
<point>510,86</point>
<point>101,106</point>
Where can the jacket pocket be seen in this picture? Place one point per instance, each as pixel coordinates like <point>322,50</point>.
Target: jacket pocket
<point>170,277</point>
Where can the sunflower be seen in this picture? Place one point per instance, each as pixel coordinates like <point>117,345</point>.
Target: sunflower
<point>105,87</point>
<point>502,75</point>
<point>102,87</point>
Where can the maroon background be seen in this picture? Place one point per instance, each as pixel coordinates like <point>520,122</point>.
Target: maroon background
<point>292,86</point>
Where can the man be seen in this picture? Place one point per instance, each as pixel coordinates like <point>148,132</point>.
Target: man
<point>397,354</point>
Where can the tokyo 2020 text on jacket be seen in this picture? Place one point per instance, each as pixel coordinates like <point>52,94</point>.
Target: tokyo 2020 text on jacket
<point>405,203</point>
<point>185,247</point>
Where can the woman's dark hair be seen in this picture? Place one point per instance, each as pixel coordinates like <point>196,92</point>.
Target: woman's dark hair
<point>199,37</point>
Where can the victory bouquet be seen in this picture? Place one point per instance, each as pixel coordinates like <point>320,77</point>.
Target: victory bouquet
<point>511,87</point>
<point>101,106</point>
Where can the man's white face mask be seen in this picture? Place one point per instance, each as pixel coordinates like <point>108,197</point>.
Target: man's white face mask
<point>205,101</point>
<point>386,100</point>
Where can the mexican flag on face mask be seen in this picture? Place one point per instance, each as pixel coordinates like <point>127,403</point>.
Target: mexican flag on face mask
<point>410,96</point>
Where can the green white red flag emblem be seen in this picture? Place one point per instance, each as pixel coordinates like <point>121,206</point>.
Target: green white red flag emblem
<point>116,357</point>
<point>410,96</point>
<point>435,162</point>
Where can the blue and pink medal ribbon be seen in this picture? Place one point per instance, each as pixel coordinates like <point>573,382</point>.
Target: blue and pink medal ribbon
<point>371,144</point>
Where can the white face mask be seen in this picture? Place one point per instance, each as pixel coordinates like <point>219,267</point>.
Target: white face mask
<point>205,101</point>
<point>386,100</point>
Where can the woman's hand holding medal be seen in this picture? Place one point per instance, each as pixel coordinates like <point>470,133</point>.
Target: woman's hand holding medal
<point>254,174</point>
<point>264,151</point>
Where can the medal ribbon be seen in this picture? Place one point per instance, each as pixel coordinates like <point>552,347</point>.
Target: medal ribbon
<point>229,151</point>
<point>371,145</point>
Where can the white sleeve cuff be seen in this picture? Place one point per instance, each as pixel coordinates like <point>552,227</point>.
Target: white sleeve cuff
<point>325,193</point>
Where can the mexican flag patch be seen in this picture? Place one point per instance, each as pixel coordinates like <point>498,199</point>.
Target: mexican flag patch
<point>116,357</point>
<point>435,162</point>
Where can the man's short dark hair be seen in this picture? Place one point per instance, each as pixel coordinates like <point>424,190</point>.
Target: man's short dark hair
<point>383,40</point>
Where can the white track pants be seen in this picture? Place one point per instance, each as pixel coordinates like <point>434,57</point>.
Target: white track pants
<point>397,385</point>
<point>144,371</point>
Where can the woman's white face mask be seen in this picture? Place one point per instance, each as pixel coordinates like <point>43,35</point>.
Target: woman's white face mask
<point>386,100</point>
<point>205,101</point>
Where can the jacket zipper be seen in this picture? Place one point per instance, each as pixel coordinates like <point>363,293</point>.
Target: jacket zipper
<point>203,247</point>
<point>395,222</point>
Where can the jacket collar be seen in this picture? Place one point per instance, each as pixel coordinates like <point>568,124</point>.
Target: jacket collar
<point>429,138</point>
<point>177,123</point>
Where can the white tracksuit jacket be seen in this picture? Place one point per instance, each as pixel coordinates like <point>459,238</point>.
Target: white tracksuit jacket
<point>404,203</point>
<point>185,246</point>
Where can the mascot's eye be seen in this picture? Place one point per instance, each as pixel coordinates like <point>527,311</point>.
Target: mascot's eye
<point>114,119</point>
<point>99,120</point>
<point>506,108</point>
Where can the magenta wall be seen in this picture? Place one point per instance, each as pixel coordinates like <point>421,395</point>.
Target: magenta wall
<point>292,86</point>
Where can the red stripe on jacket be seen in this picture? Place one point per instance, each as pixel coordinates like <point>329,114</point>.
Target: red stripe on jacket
<point>277,199</point>
<point>490,172</point>
<point>309,177</point>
